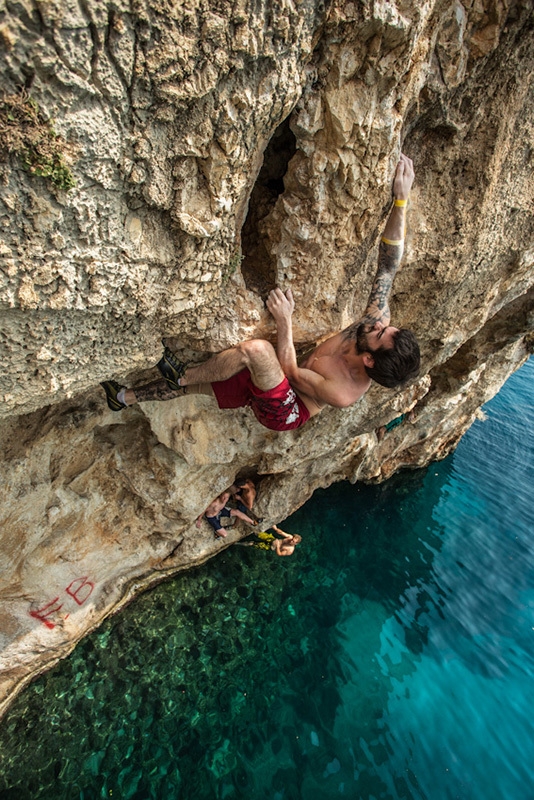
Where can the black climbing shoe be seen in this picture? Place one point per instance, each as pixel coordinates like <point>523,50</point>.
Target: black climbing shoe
<point>111,389</point>
<point>171,369</point>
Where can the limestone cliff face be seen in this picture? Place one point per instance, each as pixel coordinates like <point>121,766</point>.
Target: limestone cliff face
<point>219,149</point>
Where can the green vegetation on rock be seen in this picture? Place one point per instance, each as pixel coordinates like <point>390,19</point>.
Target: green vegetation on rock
<point>24,132</point>
<point>234,262</point>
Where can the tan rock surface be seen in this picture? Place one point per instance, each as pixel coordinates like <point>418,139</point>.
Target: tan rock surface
<point>167,112</point>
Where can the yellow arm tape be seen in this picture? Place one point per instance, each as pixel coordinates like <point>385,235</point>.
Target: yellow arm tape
<point>400,203</point>
<point>395,242</point>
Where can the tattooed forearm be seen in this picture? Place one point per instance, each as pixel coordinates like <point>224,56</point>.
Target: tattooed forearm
<point>389,258</point>
<point>379,295</point>
<point>157,390</point>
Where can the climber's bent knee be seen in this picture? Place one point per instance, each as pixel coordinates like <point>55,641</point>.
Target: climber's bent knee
<point>262,362</point>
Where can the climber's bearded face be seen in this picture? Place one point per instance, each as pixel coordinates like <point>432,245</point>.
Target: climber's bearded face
<point>361,338</point>
<point>371,338</point>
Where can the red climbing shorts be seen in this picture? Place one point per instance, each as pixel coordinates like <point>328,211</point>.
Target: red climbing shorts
<point>279,409</point>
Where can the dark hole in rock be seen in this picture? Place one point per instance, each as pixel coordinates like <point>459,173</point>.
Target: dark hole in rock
<point>258,265</point>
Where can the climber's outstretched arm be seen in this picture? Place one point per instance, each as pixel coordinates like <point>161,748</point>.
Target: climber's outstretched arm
<point>391,246</point>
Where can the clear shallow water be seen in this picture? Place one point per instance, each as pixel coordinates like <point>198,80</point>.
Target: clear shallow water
<point>393,657</point>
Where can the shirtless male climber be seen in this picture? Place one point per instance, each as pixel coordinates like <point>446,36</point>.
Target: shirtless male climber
<point>218,508</point>
<point>263,540</point>
<point>283,394</point>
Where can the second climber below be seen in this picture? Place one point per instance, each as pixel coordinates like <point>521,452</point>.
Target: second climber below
<point>282,393</point>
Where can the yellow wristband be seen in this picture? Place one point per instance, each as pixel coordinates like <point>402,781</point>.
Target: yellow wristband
<point>400,203</point>
<point>395,242</point>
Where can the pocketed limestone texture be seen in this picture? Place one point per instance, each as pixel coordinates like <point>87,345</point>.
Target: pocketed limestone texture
<point>219,149</point>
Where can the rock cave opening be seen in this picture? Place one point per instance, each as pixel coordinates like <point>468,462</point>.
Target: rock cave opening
<point>258,265</point>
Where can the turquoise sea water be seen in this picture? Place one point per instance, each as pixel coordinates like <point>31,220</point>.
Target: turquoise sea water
<point>391,657</point>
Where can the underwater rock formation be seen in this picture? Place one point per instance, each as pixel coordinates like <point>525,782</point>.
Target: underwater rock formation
<point>219,148</point>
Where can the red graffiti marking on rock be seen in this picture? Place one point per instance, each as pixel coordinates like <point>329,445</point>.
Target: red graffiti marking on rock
<point>83,588</point>
<point>46,611</point>
<point>80,589</point>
